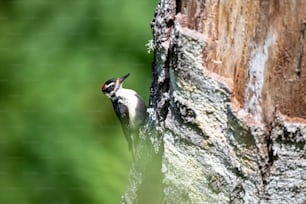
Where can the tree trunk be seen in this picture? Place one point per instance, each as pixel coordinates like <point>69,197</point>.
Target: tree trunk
<point>227,112</point>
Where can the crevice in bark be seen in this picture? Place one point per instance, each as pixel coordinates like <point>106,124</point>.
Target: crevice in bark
<point>238,173</point>
<point>178,6</point>
<point>164,88</point>
<point>170,23</point>
<point>265,171</point>
<point>153,84</point>
<point>300,59</point>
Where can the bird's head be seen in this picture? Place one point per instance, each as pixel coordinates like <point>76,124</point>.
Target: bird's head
<point>110,87</point>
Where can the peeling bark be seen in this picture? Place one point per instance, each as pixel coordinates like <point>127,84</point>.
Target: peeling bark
<point>227,112</point>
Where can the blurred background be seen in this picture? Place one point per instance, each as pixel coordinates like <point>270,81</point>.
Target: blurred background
<point>60,141</point>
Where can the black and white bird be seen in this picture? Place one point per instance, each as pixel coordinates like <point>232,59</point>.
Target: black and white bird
<point>130,108</point>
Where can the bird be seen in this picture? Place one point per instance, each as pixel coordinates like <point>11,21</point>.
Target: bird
<point>129,107</point>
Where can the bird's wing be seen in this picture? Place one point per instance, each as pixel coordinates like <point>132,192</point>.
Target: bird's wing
<point>123,115</point>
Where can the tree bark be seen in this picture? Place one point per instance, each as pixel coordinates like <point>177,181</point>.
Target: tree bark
<point>227,112</point>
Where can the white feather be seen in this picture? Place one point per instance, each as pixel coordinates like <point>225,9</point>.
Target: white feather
<point>134,102</point>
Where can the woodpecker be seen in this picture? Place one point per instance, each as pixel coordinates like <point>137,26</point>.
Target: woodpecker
<point>130,108</point>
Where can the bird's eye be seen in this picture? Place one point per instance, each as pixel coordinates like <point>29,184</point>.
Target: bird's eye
<point>111,87</point>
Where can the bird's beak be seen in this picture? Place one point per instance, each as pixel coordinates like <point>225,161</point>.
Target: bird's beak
<point>123,78</point>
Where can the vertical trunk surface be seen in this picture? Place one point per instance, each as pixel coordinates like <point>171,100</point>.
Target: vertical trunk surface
<point>227,115</point>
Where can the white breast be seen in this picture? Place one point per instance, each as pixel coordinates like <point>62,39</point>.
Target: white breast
<point>132,100</point>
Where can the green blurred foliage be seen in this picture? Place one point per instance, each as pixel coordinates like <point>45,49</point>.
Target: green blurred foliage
<point>60,141</point>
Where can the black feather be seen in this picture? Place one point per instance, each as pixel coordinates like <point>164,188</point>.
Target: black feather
<point>123,115</point>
